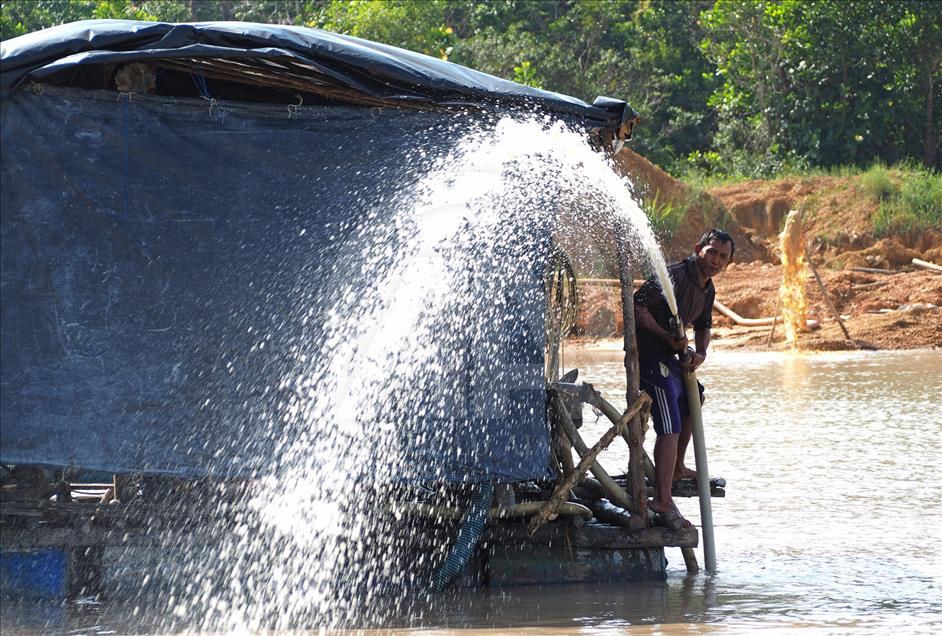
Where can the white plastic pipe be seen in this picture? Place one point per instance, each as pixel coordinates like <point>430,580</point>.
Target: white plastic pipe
<point>754,322</point>
<point>927,264</point>
<point>703,473</point>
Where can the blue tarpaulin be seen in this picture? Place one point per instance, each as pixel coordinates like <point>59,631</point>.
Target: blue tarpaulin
<point>151,243</point>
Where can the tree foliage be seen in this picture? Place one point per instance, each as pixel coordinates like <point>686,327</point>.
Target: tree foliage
<point>727,86</point>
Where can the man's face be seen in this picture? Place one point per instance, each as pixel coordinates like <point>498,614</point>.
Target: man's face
<point>713,257</point>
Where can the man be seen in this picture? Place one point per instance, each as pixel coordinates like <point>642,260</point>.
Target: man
<point>660,344</point>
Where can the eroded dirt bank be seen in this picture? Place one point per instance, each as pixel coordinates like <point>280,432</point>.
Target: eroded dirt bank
<point>897,308</point>
<point>880,311</point>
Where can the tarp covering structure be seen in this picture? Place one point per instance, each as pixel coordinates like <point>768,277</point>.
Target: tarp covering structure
<point>339,66</point>
<point>167,259</point>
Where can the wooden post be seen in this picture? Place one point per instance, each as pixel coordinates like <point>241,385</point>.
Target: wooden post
<point>824,292</point>
<point>562,447</point>
<point>637,486</point>
<point>778,306</point>
<point>119,485</point>
<point>690,560</point>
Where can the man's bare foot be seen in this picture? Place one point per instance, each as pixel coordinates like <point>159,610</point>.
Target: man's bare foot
<point>670,512</point>
<point>684,473</point>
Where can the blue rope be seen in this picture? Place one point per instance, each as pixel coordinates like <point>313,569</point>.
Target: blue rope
<point>201,85</point>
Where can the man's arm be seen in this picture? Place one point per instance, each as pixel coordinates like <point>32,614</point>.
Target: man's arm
<point>701,338</point>
<point>644,320</point>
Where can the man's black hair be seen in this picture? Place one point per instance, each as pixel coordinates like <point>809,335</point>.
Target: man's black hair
<point>714,234</point>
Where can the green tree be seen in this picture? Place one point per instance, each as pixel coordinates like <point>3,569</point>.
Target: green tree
<point>417,25</point>
<point>823,82</point>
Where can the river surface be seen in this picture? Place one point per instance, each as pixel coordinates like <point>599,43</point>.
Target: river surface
<point>832,520</point>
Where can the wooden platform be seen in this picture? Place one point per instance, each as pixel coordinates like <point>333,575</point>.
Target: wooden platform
<point>104,548</point>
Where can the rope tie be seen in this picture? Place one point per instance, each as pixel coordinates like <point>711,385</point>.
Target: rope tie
<point>295,109</point>
<point>202,86</point>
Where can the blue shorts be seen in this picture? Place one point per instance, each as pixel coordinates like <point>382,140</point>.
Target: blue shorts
<point>662,379</point>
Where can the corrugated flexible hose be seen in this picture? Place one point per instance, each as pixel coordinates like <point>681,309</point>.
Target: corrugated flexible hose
<point>472,527</point>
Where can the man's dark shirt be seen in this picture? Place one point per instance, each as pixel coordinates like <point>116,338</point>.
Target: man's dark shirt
<point>694,305</point>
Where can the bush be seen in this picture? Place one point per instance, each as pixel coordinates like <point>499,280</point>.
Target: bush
<point>923,196</point>
<point>665,217</point>
<point>916,208</point>
<point>876,182</point>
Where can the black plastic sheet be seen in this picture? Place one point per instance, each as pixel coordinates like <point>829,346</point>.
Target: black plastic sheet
<point>377,70</point>
<point>163,263</point>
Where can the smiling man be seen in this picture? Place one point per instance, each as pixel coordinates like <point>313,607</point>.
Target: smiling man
<point>661,349</point>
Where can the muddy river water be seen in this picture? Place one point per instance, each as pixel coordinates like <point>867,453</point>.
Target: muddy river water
<point>832,521</point>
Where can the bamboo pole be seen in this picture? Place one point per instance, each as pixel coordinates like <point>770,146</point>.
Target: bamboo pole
<point>824,292</point>
<point>615,493</point>
<point>523,509</point>
<point>609,411</point>
<point>561,493</point>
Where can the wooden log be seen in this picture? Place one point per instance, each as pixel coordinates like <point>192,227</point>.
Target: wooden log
<point>690,559</point>
<point>561,493</point>
<point>874,285</point>
<point>926,264</point>
<point>634,434</point>
<point>593,535</point>
<point>875,270</point>
<point>608,513</point>
<point>593,487</point>
<point>824,292</point>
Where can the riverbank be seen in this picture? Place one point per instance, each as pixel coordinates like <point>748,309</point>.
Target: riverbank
<point>862,231</point>
<point>895,311</point>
